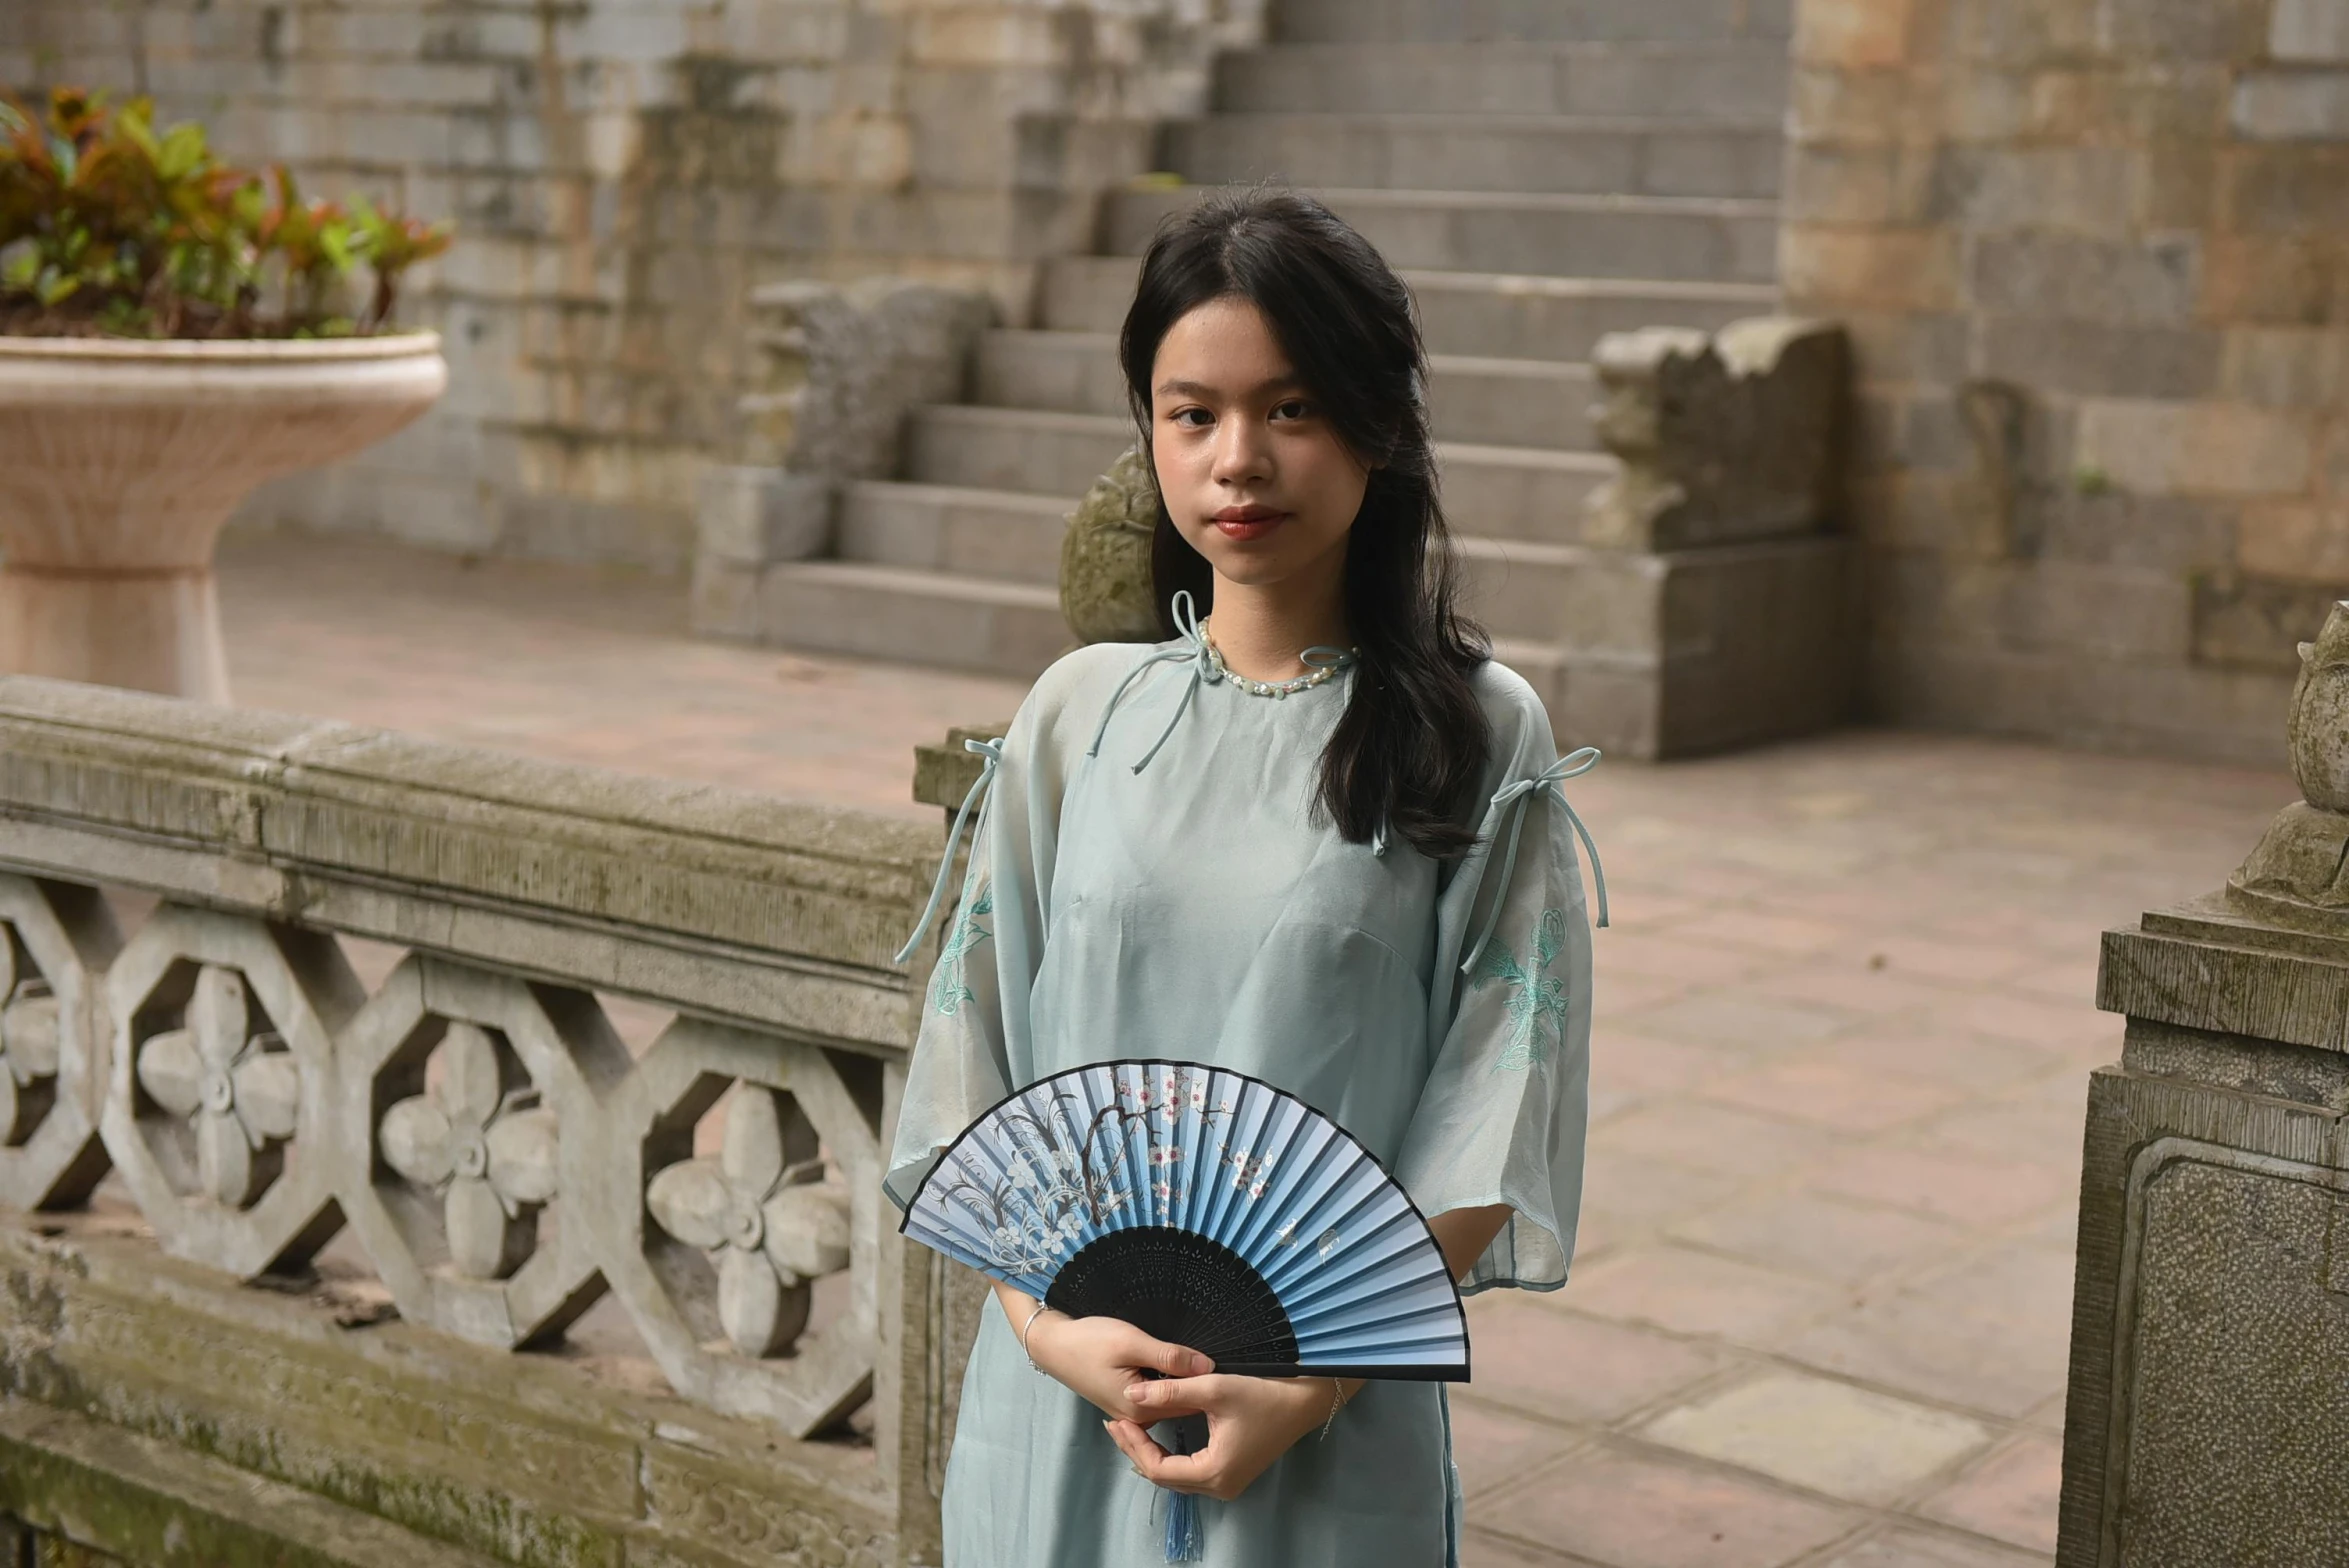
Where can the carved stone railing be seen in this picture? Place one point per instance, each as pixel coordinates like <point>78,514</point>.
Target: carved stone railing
<point>442,1168</point>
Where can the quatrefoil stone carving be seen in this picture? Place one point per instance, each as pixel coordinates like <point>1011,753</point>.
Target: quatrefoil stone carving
<point>29,1029</point>
<point>756,1210</point>
<point>220,1101</point>
<point>487,1149</point>
<point>233,1083</point>
<point>446,1172</point>
<point>54,937</point>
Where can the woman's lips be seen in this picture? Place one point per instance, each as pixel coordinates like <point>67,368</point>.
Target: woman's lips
<point>1247,522</point>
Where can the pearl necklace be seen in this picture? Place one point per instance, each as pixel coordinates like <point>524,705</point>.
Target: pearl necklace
<point>1342,658</point>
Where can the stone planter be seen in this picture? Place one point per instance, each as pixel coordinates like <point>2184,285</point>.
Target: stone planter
<point>120,460</point>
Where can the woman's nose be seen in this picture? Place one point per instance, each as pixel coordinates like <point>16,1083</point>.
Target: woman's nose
<point>1241,452</point>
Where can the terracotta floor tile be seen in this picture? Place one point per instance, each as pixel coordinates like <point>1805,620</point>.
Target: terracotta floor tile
<point>1492,1447</point>
<point>1817,1233</point>
<point>1834,1093</point>
<point>1692,1292</point>
<point>1482,1549</point>
<point>1968,1188</point>
<point>1821,1435</point>
<point>1739,1022</point>
<point>2011,1495</point>
<point>1766,931</point>
<point>1638,1190</point>
<point>1738,1143</point>
<point>1537,1359</point>
<point>1902,1548</point>
<point>1637,1510</point>
<point>1913,1343</point>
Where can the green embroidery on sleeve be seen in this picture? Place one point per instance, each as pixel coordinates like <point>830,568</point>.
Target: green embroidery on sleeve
<point>948,990</point>
<point>1537,999</point>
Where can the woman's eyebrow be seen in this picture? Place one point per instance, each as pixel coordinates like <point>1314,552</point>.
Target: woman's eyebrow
<point>1286,381</point>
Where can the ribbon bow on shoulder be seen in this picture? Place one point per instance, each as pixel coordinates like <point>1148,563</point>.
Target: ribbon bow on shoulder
<point>992,751</point>
<point>1510,800</point>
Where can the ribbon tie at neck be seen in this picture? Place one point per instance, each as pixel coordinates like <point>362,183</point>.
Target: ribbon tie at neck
<point>992,751</point>
<point>1203,672</point>
<point>1511,799</point>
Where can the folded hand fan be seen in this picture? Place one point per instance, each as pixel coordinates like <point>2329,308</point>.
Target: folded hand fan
<point>1208,1209</point>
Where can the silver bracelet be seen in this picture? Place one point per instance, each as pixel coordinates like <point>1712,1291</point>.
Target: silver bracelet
<point>1337,1397</point>
<point>1041,1309</point>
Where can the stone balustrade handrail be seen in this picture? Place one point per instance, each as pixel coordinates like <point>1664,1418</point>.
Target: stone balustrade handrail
<point>691,895</point>
<point>462,1135</point>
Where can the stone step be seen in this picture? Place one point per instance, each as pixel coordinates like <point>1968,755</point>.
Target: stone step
<point>1461,312</point>
<point>1507,402</point>
<point>1000,534</point>
<point>911,616</point>
<point>1513,492</point>
<point>1685,239</point>
<point>1478,21</point>
<point>1549,154</point>
<point>1692,81</point>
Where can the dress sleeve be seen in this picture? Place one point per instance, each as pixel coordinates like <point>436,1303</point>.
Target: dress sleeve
<point>1503,1114</point>
<point>973,1044</point>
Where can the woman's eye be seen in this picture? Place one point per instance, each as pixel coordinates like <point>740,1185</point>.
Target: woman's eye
<point>1192,418</point>
<point>1294,408</point>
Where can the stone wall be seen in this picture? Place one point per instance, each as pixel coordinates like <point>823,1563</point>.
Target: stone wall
<point>2095,258</point>
<point>623,171</point>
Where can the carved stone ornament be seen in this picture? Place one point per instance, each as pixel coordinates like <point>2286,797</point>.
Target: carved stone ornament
<point>220,1100</point>
<point>755,1209</point>
<point>53,939</point>
<point>1105,556</point>
<point>488,1150</point>
<point>720,1334</point>
<point>2299,874</point>
<point>445,1175</point>
<point>1722,438</point>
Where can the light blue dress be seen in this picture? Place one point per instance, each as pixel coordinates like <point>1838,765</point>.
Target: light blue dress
<point>1149,878</point>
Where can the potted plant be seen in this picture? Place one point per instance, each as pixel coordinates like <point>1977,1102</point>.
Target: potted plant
<point>173,331</point>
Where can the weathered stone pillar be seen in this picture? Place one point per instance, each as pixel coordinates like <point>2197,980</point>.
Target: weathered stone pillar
<point>2209,1401</point>
<point>1710,606</point>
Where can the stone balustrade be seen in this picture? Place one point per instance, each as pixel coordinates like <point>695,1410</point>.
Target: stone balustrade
<point>436,1173</point>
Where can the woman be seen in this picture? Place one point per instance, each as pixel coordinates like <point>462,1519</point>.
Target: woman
<point>1315,836</point>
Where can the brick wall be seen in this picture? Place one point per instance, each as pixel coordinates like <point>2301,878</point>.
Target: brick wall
<point>2095,254</point>
<point>622,172</point>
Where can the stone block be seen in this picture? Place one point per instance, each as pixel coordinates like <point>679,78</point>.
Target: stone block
<point>2293,106</point>
<point>2278,189</point>
<point>2277,279</point>
<point>1827,270</point>
<point>2309,30</point>
<point>2006,188</point>
<point>2051,354</point>
<point>2248,622</point>
<point>2286,367</point>
<point>2163,31</point>
<point>2217,449</point>
<point>1853,35</point>
<point>755,515</point>
<point>2154,281</point>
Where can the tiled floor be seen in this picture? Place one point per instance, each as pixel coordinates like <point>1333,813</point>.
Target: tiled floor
<point>1820,1309</point>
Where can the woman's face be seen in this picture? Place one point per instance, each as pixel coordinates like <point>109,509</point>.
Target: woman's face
<point>1253,475</point>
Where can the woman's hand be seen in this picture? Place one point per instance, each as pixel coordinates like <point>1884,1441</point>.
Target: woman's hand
<point>1100,1358</point>
<point>1251,1421</point>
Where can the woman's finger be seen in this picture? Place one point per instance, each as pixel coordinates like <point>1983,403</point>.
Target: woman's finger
<point>1150,1461</point>
<point>1169,1360</point>
<point>1176,1396</point>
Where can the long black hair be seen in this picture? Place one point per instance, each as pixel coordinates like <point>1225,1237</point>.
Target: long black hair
<point>1411,746</point>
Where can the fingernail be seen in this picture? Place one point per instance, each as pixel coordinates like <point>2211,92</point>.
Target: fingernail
<point>1134,1391</point>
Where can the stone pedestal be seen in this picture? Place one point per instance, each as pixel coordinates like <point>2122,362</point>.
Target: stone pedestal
<point>1707,605</point>
<point>2209,1398</point>
<point>120,460</point>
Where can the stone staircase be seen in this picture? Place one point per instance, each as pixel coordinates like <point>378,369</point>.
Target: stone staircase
<point>1542,171</point>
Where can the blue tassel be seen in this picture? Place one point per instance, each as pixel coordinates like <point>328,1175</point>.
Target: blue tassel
<point>1183,1544</point>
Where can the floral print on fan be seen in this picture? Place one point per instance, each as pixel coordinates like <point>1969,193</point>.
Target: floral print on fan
<point>1072,1171</point>
<point>1537,999</point>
